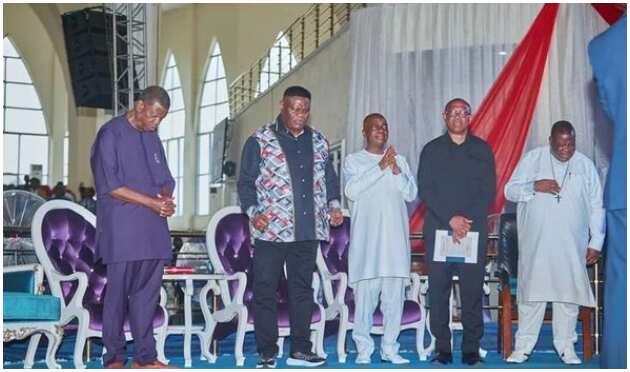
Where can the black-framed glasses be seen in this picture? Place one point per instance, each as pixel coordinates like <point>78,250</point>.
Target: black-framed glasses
<point>461,114</point>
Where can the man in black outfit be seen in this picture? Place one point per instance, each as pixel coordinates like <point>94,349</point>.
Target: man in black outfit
<point>456,181</point>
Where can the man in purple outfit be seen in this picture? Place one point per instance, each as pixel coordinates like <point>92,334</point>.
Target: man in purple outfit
<point>134,188</point>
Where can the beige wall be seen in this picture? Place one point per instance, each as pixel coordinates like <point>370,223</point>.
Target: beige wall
<point>255,36</point>
<point>326,74</point>
<point>80,123</point>
<point>190,32</point>
<point>38,48</point>
<point>244,32</point>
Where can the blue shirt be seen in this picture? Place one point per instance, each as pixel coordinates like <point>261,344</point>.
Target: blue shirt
<point>123,156</point>
<point>608,56</point>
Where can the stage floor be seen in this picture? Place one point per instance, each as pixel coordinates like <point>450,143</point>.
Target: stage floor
<point>543,357</point>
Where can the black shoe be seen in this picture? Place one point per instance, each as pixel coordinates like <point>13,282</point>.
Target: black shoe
<point>266,362</point>
<point>305,359</point>
<point>443,358</point>
<point>471,358</point>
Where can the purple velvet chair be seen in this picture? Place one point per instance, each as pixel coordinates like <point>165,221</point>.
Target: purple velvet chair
<point>63,234</point>
<point>231,252</point>
<point>332,263</point>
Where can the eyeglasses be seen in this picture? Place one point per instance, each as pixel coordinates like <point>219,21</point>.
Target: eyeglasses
<point>461,114</point>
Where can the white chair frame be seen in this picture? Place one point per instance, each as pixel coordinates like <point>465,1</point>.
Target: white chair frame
<point>235,307</point>
<point>338,308</point>
<point>75,309</point>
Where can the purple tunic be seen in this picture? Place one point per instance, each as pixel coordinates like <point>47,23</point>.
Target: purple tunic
<point>124,156</point>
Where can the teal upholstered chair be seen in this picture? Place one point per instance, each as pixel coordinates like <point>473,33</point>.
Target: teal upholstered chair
<point>27,312</point>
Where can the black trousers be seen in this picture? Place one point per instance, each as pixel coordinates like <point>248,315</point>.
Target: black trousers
<point>471,286</point>
<point>269,259</point>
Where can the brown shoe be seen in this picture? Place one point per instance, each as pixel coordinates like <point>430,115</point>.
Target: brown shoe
<point>152,365</point>
<point>115,365</point>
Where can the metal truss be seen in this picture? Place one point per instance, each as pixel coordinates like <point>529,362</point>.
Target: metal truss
<point>128,39</point>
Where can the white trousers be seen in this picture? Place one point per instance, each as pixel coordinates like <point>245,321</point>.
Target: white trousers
<point>530,319</point>
<point>366,296</point>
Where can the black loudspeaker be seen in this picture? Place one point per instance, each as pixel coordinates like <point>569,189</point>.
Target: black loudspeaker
<point>89,51</point>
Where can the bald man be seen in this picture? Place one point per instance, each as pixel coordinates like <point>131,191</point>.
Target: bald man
<point>378,182</point>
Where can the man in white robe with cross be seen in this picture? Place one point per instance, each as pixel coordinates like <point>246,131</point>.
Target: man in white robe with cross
<point>561,228</point>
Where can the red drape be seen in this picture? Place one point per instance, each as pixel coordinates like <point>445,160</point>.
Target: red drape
<point>504,116</point>
<point>610,12</point>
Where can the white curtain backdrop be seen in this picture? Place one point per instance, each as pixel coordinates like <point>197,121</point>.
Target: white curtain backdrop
<point>408,60</point>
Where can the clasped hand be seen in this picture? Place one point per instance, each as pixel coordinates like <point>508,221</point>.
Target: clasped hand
<point>389,160</point>
<point>164,205</point>
<point>547,186</point>
<point>461,226</point>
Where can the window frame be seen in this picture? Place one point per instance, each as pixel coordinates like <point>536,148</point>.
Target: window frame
<point>7,81</point>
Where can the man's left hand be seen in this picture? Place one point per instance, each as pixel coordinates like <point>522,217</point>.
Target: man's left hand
<point>395,168</point>
<point>336,217</point>
<point>592,256</point>
<point>167,208</point>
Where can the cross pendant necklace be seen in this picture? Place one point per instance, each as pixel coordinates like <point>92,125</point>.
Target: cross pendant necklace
<point>564,178</point>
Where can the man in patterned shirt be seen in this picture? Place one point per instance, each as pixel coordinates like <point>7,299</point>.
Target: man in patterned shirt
<point>289,189</point>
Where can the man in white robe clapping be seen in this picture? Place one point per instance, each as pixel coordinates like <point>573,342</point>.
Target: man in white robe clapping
<point>378,182</point>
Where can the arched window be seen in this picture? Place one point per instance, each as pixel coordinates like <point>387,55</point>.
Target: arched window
<point>171,130</point>
<point>279,61</point>
<point>214,107</point>
<point>24,132</point>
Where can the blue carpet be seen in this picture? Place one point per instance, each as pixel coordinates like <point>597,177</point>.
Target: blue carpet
<point>544,356</point>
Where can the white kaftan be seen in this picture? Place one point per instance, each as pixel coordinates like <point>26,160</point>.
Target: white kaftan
<point>553,235</point>
<point>379,244</point>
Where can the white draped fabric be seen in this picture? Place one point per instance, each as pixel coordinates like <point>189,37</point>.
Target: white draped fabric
<point>408,60</point>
